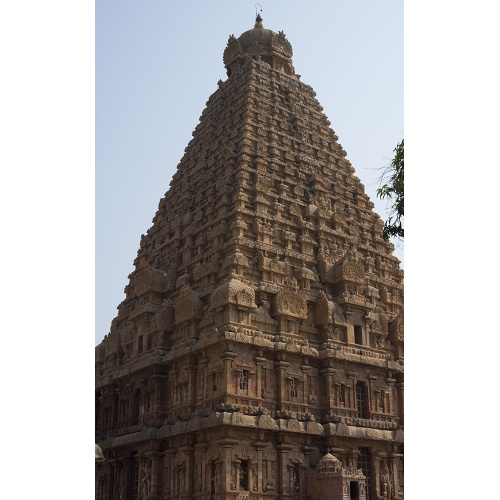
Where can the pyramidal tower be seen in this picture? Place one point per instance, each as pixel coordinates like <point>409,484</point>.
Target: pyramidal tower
<point>258,353</point>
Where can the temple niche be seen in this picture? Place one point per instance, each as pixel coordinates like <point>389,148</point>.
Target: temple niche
<point>333,481</point>
<point>259,351</point>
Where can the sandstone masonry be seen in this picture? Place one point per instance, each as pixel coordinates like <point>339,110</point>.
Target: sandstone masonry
<point>258,353</point>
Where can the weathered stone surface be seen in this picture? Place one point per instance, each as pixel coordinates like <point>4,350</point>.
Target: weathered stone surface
<point>263,323</point>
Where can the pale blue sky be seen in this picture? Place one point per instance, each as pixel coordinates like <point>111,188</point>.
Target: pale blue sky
<point>158,62</point>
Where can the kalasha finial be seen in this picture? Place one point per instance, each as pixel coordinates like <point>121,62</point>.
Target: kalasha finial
<point>258,17</point>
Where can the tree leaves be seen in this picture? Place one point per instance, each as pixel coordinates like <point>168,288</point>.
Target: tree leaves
<point>393,189</point>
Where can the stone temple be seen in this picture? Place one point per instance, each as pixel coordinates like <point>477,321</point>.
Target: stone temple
<point>258,353</point>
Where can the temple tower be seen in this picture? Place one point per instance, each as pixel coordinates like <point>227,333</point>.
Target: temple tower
<point>263,323</point>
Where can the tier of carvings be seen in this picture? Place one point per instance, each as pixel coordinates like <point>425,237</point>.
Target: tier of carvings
<point>293,231</point>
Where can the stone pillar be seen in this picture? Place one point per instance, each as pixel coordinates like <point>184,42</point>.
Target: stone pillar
<point>101,400</point>
<point>141,461</point>
<point>336,394</point>
<point>169,472</point>
<point>371,393</point>
<point>203,392</point>
<point>190,472</point>
<point>283,450</point>
<point>350,326</point>
<point>353,458</point>
<point>202,472</point>
<point>260,363</point>
<point>227,373</point>
<point>173,383</point>
<point>114,478</point>
<point>155,457</point>
<point>375,455</point>
<point>101,482</point>
<point>306,370</point>
<point>303,488</point>
<point>329,373</point>
<point>253,476</point>
<point>219,482</point>
<point>307,450</point>
<point>226,452</point>
<point>400,393</point>
<point>191,387</point>
<point>391,406</point>
<point>159,400</point>
<point>351,390</point>
<point>114,411</point>
<point>235,475</point>
<point>378,393</point>
<point>396,459</point>
<point>259,446</point>
<point>290,479</point>
<point>281,367</point>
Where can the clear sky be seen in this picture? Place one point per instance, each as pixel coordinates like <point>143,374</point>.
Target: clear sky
<point>158,62</point>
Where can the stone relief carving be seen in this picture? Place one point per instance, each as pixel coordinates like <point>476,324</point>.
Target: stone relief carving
<point>233,292</point>
<point>386,483</point>
<point>189,306</point>
<point>164,319</point>
<point>290,301</point>
<point>396,330</point>
<point>350,269</point>
<point>147,278</point>
<point>146,480</point>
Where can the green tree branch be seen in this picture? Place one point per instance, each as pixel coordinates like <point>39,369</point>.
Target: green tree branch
<point>393,190</point>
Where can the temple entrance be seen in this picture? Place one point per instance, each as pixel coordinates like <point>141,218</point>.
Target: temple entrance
<point>354,490</point>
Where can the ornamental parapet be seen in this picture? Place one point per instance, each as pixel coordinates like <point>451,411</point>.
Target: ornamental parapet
<point>373,424</point>
<point>363,356</point>
<point>337,351</point>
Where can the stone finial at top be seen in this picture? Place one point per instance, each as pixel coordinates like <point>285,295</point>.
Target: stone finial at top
<point>262,45</point>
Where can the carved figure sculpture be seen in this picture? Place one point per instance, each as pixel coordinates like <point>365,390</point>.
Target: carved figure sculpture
<point>121,486</point>
<point>385,480</point>
<point>146,481</point>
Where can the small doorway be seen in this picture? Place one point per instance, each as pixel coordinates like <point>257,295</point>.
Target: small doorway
<point>354,490</point>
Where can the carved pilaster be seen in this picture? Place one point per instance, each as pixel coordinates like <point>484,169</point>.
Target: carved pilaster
<point>159,400</point>
<point>353,458</point>
<point>375,455</point>
<point>227,358</point>
<point>155,461</point>
<point>283,451</point>
<point>281,367</point>
<point>396,463</point>
<point>169,472</point>
<point>372,400</point>
<point>390,396</point>
<point>191,386</point>
<point>260,363</point>
<point>203,391</point>
<point>201,478</point>
<point>190,472</point>
<point>259,446</point>
<point>331,394</point>
<point>173,387</point>
<point>226,450</point>
<point>306,370</point>
<point>400,393</point>
<point>351,389</point>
